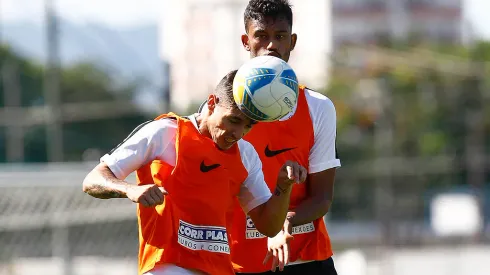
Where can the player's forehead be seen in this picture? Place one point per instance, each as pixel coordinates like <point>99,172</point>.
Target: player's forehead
<point>239,115</point>
<point>275,24</point>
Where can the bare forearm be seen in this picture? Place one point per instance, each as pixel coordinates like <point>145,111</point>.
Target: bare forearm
<point>102,183</point>
<point>274,212</point>
<point>309,210</point>
<point>317,204</point>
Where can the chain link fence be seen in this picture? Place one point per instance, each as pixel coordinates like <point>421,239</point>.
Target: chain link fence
<point>47,224</point>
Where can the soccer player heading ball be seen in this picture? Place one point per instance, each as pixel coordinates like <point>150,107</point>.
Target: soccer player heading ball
<point>190,170</point>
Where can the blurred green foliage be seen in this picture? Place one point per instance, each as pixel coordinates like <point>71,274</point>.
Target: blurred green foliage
<point>427,107</point>
<point>430,102</point>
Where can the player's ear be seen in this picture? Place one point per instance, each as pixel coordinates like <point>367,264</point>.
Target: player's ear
<point>212,101</point>
<point>245,42</point>
<point>294,38</point>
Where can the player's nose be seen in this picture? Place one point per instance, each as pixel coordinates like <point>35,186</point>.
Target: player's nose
<point>272,45</point>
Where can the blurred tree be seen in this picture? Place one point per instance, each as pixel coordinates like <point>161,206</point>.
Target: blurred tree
<point>429,103</point>
<point>80,83</point>
<point>426,96</point>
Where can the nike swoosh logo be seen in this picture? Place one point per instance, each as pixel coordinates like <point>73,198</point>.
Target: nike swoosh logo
<point>272,153</point>
<point>206,168</point>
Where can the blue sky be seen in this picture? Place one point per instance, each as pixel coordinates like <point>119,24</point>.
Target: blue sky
<point>123,13</point>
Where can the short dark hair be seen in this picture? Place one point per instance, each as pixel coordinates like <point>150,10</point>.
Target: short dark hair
<point>224,90</point>
<point>261,9</point>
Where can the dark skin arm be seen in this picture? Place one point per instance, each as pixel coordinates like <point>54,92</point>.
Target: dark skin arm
<point>320,197</point>
<point>316,205</point>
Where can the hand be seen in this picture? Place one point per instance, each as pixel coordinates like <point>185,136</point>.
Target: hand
<point>148,195</point>
<point>278,248</point>
<point>291,172</point>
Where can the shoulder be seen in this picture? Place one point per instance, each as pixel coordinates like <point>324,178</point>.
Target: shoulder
<point>159,126</point>
<point>322,112</point>
<point>152,131</point>
<point>318,103</point>
<point>149,132</point>
<point>250,158</point>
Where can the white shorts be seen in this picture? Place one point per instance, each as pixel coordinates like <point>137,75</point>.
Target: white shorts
<point>170,269</point>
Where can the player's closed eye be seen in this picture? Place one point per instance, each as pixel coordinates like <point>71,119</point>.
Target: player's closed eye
<point>234,120</point>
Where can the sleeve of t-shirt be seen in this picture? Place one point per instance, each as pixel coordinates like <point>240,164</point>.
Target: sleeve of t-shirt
<point>323,155</point>
<point>254,191</point>
<point>149,141</point>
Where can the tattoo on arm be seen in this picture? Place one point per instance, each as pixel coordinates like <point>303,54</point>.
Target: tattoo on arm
<point>106,185</point>
<point>278,191</point>
<point>102,191</point>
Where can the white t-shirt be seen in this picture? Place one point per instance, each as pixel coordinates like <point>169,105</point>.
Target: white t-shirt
<point>323,155</point>
<point>155,140</point>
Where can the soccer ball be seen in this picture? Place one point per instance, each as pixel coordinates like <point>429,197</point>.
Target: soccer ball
<point>265,88</point>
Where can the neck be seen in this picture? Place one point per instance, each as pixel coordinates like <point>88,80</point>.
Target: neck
<point>202,120</point>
